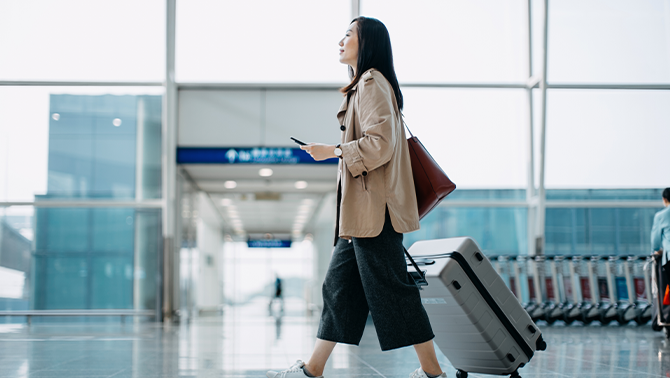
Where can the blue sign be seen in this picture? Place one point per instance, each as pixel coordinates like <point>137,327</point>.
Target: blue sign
<point>272,243</point>
<point>245,155</point>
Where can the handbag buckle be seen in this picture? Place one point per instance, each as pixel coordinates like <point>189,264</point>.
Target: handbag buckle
<point>419,279</point>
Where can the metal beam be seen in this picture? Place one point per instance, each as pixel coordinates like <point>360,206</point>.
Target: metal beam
<point>147,204</point>
<point>466,85</point>
<point>490,204</point>
<point>110,312</point>
<point>604,204</point>
<point>590,204</point>
<point>281,86</point>
<point>28,83</point>
<point>158,204</point>
<point>336,86</point>
<point>532,82</point>
<point>662,87</point>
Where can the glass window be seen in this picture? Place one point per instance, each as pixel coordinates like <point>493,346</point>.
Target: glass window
<point>476,135</point>
<point>57,142</point>
<point>455,41</point>
<point>80,40</point>
<point>79,258</point>
<point>498,231</point>
<point>610,231</point>
<point>605,194</point>
<point>261,40</point>
<point>607,139</point>
<point>292,265</point>
<point>506,195</point>
<point>601,41</point>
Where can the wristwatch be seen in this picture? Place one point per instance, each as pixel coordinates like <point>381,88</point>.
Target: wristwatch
<point>338,151</point>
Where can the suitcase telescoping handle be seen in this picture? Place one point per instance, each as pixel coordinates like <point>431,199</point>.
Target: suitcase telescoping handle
<point>419,276</point>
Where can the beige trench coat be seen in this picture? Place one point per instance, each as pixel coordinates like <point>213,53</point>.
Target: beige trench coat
<point>375,170</point>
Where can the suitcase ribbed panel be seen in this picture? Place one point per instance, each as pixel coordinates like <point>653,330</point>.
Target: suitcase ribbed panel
<point>468,330</point>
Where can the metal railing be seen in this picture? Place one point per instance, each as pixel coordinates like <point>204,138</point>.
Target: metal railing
<point>122,313</point>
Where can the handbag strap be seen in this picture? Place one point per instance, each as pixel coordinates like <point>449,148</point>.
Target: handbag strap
<point>414,263</point>
<point>402,118</point>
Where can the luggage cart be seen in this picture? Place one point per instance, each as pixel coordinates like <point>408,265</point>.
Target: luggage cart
<point>643,297</point>
<point>494,262</point>
<point>567,285</point>
<point>519,280</point>
<point>575,301</point>
<point>589,287</point>
<point>606,289</point>
<point>502,266</point>
<point>658,288</point>
<point>536,305</point>
<point>625,289</point>
<point>555,306</point>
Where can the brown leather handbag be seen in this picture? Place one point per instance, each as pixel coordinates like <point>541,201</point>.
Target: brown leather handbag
<point>430,182</point>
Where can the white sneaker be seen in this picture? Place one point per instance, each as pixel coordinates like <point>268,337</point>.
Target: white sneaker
<point>419,373</point>
<point>294,371</point>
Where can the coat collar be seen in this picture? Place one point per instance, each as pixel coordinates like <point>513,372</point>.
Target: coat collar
<point>345,102</point>
<point>343,110</point>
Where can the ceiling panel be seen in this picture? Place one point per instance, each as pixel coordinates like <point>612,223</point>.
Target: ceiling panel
<point>289,214</point>
<point>250,171</point>
<point>259,205</point>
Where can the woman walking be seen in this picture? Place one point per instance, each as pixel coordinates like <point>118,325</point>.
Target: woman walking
<point>376,204</point>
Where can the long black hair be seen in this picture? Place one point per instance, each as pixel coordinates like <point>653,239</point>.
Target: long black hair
<point>666,194</point>
<point>374,51</point>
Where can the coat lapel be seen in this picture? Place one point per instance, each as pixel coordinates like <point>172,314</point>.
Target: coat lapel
<point>343,108</point>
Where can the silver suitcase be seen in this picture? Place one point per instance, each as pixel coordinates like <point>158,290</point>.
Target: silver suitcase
<point>479,325</point>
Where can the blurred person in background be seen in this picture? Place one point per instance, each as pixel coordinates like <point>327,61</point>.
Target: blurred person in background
<point>376,204</point>
<point>660,245</point>
<point>660,231</point>
<point>276,299</point>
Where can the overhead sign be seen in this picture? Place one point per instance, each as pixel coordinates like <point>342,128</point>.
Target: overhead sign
<point>271,243</point>
<point>246,155</point>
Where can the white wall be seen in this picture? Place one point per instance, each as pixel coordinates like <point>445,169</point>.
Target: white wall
<point>257,117</point>
<point>209,279</point>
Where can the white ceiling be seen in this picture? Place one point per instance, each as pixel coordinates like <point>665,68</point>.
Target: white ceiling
<point>260,205</point>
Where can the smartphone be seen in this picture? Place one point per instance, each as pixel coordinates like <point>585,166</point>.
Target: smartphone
<point>298,141</point>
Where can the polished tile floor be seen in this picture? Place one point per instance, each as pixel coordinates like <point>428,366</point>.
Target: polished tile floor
<point>246,341</point>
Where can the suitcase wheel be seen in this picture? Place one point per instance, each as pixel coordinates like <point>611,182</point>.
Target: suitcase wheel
<point>655,326</point>
<point>461,374</point>
<point>540,344</point>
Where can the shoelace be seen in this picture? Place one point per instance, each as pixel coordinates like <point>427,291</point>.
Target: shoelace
<point>293,369</point>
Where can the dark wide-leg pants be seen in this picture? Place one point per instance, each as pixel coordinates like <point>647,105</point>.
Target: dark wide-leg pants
<point>370,275</point>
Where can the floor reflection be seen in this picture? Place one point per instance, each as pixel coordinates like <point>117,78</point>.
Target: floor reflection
<point>247,340</point>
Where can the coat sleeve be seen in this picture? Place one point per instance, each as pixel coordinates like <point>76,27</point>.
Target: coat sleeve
<point>656,232</point>
<point>378,123</point>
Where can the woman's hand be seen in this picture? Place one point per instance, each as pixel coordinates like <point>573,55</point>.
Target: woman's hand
<point>319,151</point>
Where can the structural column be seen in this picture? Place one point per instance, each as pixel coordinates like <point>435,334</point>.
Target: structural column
<point>541,195</point>
<point>169,169</point>
<point>530,141</point>
<point>355,8</point>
